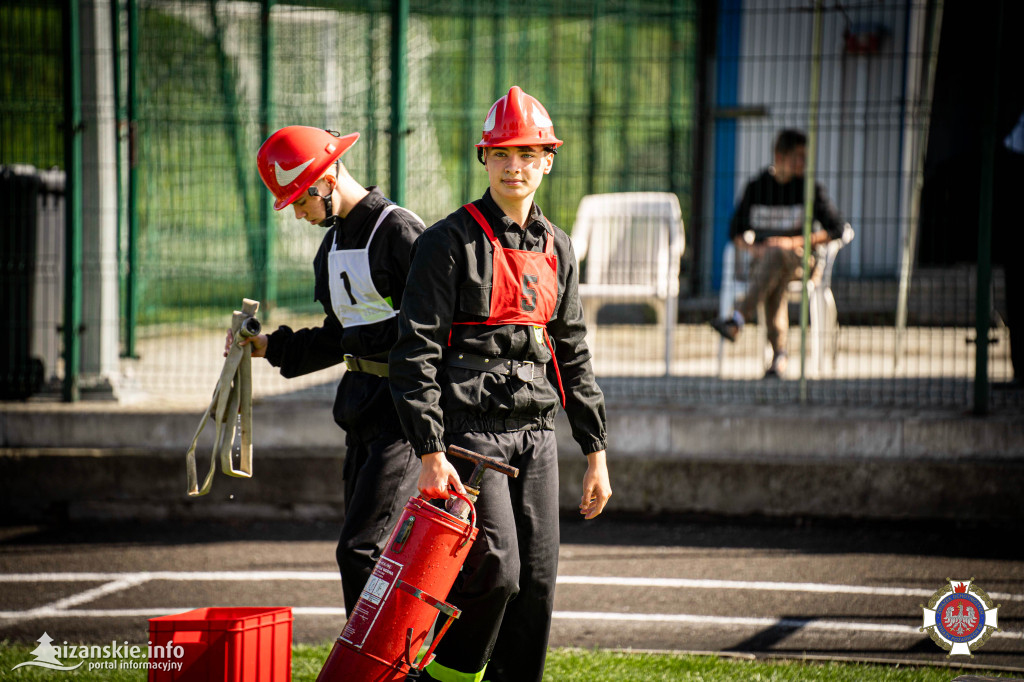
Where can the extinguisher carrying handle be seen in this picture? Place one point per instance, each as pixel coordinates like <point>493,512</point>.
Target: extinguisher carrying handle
<point>472,512</point>
<point>444,607</point>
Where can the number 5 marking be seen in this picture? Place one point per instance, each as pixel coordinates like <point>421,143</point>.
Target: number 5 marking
<point>529,292</point>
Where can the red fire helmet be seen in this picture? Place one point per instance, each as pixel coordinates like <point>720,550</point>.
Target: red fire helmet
<point>295,157</point>
<point>518,120</point>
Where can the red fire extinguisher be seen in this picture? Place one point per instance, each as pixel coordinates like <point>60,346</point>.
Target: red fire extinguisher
<point>398,606</point>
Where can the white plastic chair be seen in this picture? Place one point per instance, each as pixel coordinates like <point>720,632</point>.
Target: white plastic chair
<point>823,315</point>
<point>632,243</point>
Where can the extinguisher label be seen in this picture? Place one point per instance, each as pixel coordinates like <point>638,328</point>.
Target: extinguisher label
<point>365,613</point>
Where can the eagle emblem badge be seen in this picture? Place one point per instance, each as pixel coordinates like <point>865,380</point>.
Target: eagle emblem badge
<point>960,617</point>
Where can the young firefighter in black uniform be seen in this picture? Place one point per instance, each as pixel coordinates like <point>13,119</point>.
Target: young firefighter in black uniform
<point>772,209</point>
<point>492,293</point>
<point>360,269</point>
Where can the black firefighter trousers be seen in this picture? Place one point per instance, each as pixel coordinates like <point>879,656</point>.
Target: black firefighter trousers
<point>380,477</point>
<point>506,588</point>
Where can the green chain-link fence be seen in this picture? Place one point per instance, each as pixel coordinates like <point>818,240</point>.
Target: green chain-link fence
<point>680,96</point>
<point>618,82</point>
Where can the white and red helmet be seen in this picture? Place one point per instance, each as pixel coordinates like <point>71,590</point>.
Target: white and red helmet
<point>295,157</point>
<point>518,120</point>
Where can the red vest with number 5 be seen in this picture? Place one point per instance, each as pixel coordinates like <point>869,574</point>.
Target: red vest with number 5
<point>524,286</point>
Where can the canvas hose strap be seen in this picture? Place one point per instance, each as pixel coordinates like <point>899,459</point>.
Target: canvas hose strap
<point>231,403</point>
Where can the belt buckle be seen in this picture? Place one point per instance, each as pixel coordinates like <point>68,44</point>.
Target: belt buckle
<point>351,362</point>
<point>525,371</point>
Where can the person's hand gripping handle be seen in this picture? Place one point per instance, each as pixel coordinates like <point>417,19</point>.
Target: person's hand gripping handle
<point>437,473</point>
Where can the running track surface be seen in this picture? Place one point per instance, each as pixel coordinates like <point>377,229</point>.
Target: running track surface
<point>760,588</point>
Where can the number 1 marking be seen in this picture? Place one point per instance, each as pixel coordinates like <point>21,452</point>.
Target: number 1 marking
<point>348,286</point>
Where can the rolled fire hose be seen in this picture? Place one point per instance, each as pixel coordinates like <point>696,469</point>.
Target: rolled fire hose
<point>231,402</point>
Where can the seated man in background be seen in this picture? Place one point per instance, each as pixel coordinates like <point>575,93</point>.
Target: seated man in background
<point>769,223</point>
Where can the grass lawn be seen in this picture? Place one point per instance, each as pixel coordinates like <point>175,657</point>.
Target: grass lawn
<point>571,665</point>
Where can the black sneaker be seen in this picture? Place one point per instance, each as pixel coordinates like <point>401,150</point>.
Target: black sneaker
<point>726,327</point>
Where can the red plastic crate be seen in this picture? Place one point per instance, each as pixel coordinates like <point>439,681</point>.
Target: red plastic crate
<point>225,644</point>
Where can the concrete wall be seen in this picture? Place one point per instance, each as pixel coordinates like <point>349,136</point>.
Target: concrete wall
<point>715,460</point>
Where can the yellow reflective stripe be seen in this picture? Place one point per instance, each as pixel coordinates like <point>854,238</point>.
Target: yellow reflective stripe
<point>443,674</point>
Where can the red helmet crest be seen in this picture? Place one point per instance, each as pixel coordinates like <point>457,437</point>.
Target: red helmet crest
<point>518,120</point>
<point>294,158</point>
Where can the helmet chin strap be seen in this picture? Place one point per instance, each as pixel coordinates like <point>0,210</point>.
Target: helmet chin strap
<point>329,217</point>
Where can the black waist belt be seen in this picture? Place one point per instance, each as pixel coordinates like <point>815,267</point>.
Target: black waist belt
<point>354,364</point>
<point>525,370</point>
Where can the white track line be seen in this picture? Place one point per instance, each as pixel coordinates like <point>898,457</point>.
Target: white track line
<point>589,616</point>
<point>615,581</point>
<point>789,623</point>
<point>116,582</point>
<point>172,575</point>
<point>62,605</point>
<point>827,588</point>
<point>94,593</point>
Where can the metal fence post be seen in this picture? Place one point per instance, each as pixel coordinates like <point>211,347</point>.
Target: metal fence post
<point>468,166</point>
<point>73,199</point>
<point>919,145</point>
<point>269,292</point>
<point>399,113</point>
<point>676,85</point>
<point>234,129</point>
<point>592,146</point>
<point>131,286</point>
<point>501,80</point>
<point>626,180</point>
<point>119,119</point>
<point>983,299</point>
<point>727,48</point>
<point>371,96</point>
<point>812,151</point>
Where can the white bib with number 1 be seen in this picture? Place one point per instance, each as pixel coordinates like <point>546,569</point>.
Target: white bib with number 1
<point>354,298</point>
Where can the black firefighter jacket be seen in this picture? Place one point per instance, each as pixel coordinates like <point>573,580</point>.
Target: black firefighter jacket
<point>450,280</point>
<point>363,405</point>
